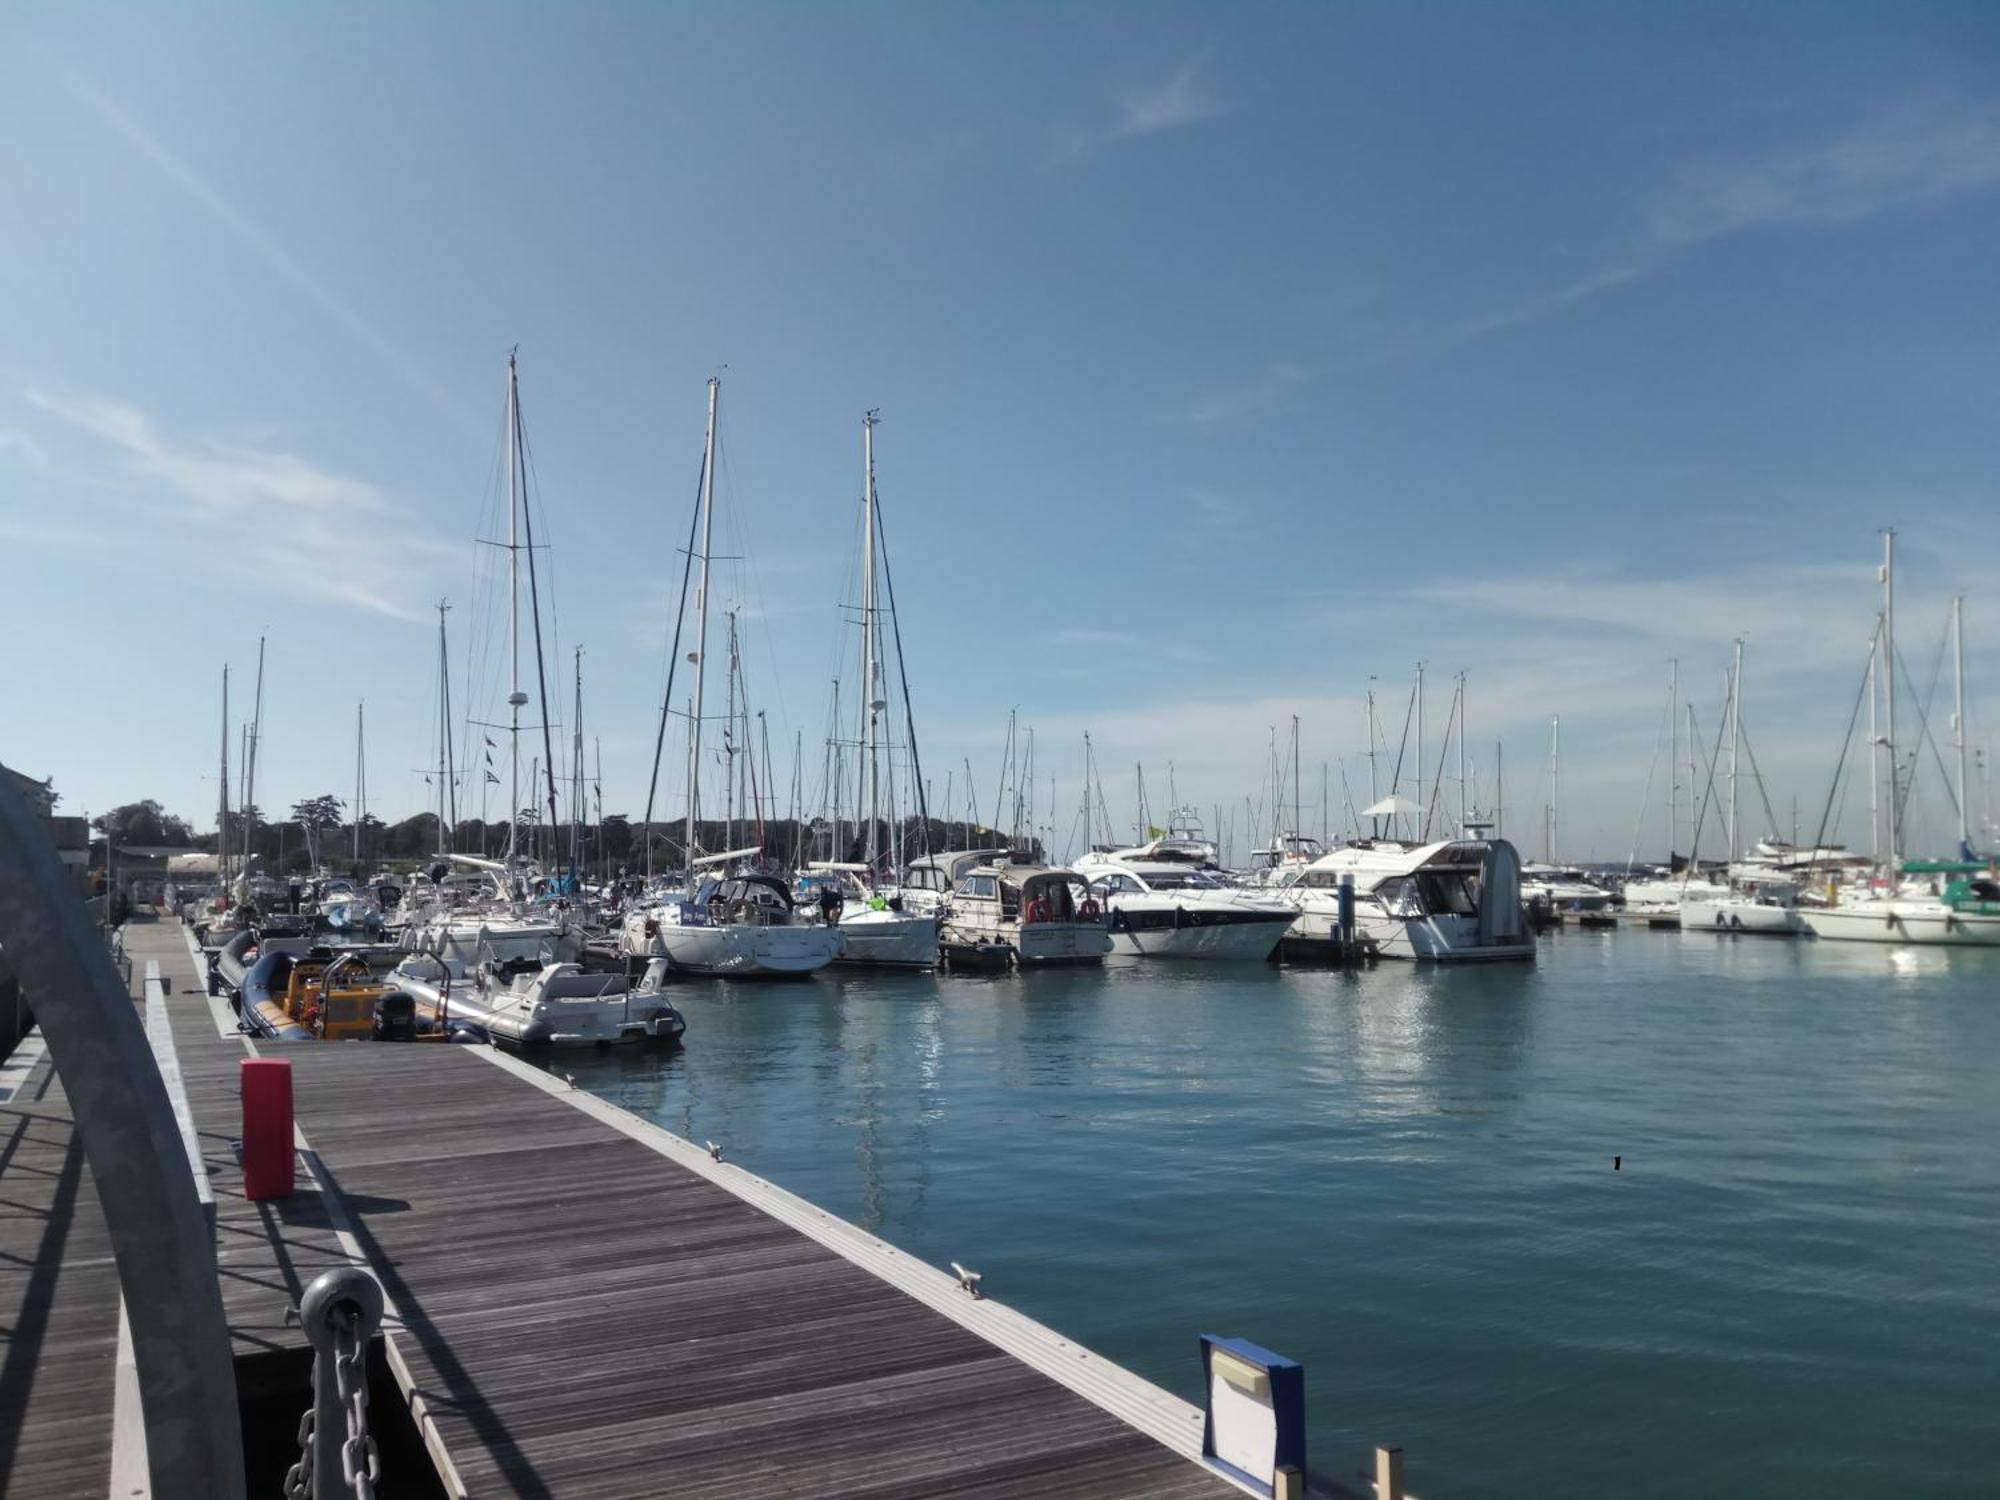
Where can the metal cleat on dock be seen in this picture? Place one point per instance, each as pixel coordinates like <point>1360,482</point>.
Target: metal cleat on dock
<point>714,1150</point>
<point>968,1281</point>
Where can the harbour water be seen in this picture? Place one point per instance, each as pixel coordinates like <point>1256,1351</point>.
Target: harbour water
<point>1404,1178</point>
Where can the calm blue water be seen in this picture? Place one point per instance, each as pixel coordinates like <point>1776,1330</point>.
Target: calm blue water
<point>1403,1178</point>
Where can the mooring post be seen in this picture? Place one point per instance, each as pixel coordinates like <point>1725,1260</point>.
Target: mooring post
<point>1388,1473</point>
<point>159,1237</point>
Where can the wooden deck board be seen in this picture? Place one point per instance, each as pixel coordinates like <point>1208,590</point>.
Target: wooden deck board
<point>584,1317</point>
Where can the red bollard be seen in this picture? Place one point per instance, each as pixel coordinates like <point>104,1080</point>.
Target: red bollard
<point>268,1162</point>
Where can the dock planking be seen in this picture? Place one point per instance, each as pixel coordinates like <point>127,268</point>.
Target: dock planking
<point>578,1315</point>
<point>58,1299</point>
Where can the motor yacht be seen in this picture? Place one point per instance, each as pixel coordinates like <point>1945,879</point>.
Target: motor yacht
<point>1163,904</point>
<point>1027,915</point>
<point>1452,902</point>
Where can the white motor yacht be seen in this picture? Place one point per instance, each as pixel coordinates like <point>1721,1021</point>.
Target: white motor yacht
<point>1562,888</point>
<point>1162,904</point>
<point>1455,901</point>
<point>931,878</point>
<point>742,926</point>
<point>1027,915</point>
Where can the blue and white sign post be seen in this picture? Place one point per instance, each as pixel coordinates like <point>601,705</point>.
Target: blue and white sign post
<point>1254,1410</point>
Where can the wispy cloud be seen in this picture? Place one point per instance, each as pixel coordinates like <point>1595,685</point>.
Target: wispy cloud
<point>1914,154</point>
<point>1184,97</point>
<point>1254,397</point>
<point>267,248</point>
<point>1911,155</point>
<point>258,513</point>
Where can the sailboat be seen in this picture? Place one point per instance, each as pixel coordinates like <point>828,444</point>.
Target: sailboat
<point>884,932</point>
<point>743,925</point>
<point>1752,904</point>
<point>451,938</point>
<point>1918,902</point>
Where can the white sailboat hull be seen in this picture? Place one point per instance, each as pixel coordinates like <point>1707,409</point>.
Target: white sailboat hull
<point>1749,917</point>
<point>1905,923</point>
<point>888,940</point>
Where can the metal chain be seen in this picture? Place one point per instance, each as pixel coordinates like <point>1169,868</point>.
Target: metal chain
<point>359,1460</point>
<point>298,1480</point>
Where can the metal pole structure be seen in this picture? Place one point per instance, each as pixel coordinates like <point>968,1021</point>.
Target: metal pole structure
<point>159,1236</point>
<point>1958,718</point>
<point>866,789</point>
<point>1464,806</point>
<point>1889,695</point>
<point>1874,753</point>
<point>1420,746</point>
<point>1735,739</point>
<point>1673,754</point>
<point>515,697</point>
<point>701,628</point>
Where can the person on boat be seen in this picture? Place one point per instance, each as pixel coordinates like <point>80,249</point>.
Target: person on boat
<point>830,903</point>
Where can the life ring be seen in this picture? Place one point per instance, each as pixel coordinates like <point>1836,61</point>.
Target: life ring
<point>1088,910</point>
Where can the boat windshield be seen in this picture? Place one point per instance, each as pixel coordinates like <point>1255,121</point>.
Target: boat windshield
<point>1180,880</point>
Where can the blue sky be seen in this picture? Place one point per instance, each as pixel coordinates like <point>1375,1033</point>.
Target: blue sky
<point>1227,358</point>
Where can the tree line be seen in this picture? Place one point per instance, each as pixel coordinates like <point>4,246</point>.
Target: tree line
<point>318,831</point>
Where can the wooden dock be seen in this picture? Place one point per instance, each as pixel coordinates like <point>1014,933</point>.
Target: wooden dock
<point>581,1304</point>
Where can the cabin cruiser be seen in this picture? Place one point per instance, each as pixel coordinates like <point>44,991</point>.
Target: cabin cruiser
<point>1164,904</point>
<point>1282,857</point>
<point>878,929</point>
<point>1562,888</point>
<point>1027,915</point>
<point>1455,901</point>
<point>931,878</point>
<point>1965,911</point>
<point>742,926</point>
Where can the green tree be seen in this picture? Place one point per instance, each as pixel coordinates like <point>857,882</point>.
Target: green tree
<point>317,815</point>
<point>144,825</point>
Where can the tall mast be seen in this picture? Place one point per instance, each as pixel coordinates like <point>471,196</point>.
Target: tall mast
<point>1673,753</point>
<point>1555,786</point>
<point>1958,719</point>
<point>444,735</point>
<point>360,774</point>
<point>869,704</point>
<point>1889,691</point>
<point>701,628</point>
<point>1735,740</point>
<point>1375,825</point>
<point>729,748</point>
<point>578,807</point>
<point>1464,793</point>
<point>1421,819</point>
<point>1499,792</point>
<point>1297,806</point>
<point>1874,751</point>
<point>250,758</point>
<point>515,698</point>
<point>221,807</point>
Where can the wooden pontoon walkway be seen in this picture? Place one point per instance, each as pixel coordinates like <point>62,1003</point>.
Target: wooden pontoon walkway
<point>582,1305</point>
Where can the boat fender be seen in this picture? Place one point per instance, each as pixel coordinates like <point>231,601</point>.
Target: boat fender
<point>1088,910</point>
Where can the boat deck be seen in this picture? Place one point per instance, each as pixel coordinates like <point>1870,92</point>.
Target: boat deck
<point>582,1305</point>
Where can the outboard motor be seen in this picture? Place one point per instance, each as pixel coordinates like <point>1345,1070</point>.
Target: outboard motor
<point>396,1017</point>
